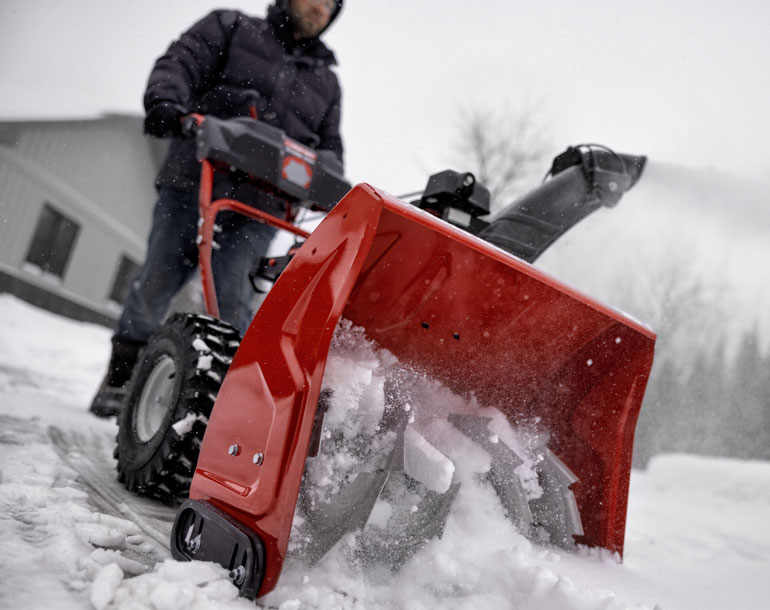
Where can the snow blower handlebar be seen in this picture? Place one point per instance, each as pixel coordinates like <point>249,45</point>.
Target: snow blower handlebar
<point>208,211</point>
<point>279,166</point>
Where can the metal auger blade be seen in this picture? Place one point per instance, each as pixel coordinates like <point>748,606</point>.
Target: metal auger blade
<point>419,524</point>
<point>351,508</point>
<point>501,475</point>
<point>347,512</point>
<point>420,464</point>
<point>556,511</point>
<point>427,521</point>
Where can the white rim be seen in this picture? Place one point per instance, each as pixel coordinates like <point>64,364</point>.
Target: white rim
<point>155,400</point>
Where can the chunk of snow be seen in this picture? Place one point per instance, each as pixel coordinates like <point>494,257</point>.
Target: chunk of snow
<point>171,596</point>
<point>426,464</point>
<point>101,536</point>
<point>104,586</point>
<point>185,425</point>
<point>199,345</point>
<point>197,572</point>
<point>204,363</point>
<point>107,556</point>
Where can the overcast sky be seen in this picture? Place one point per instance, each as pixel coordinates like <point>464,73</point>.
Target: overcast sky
<point>681,81</point>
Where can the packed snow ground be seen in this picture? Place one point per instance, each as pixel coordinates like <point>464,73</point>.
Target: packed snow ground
<point>697,534</point>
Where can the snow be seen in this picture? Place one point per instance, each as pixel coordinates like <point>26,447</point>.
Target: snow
<point>697,532</point>
<point>105,584</point>
<point>204,362</point>
<point>201,346</point>
<point>424,463</point>
<point>185,425</point>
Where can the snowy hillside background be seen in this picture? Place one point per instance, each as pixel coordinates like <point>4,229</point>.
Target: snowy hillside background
<point>697,533</point>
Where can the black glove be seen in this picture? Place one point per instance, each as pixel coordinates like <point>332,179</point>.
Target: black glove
<point>163,120</point>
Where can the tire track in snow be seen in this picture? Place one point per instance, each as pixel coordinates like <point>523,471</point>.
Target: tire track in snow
<point>93,461</point>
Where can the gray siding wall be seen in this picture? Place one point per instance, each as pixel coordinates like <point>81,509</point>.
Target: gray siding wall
<point>108,161</point>
<point>100,174</point>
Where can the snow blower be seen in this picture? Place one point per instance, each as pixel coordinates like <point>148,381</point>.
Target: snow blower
<point>452,297</point>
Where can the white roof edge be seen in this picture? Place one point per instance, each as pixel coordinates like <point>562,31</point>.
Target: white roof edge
<point>69,118</point>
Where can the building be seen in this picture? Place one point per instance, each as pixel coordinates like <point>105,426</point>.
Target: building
<point>76,200</point>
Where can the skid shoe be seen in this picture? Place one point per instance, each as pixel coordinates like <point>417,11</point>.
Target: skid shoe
<point>202,532</point>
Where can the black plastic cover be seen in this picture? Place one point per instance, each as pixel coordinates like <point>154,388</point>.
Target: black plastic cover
<point>202,532</point>
<point>456,190</point>
<point>268,154</point>
<point>269,268</point>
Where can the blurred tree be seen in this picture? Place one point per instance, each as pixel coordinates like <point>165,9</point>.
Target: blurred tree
<point>679,301</point>
<point>765,400</point>
<point>507,150</point>
<point>684,404</point>
<point>653,429</point>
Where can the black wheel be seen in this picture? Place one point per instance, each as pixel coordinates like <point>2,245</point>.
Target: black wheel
<point>169,400</point>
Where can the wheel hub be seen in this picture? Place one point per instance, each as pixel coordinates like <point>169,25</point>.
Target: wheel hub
<point>156,399</point>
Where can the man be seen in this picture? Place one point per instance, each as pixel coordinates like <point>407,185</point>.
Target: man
<point>227,65</point>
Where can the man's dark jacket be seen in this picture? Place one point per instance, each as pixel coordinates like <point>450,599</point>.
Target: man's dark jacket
<point>217,65</point>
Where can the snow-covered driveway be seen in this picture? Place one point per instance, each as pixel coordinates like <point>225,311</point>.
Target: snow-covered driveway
<point>698,534</point>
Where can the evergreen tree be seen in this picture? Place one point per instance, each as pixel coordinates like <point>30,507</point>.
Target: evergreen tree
<point>747,431</point>
<point>764,400</point>
<point>718,390</point>
<point>699,408</point>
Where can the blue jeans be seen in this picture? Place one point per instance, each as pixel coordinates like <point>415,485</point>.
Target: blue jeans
<point>172,257</point>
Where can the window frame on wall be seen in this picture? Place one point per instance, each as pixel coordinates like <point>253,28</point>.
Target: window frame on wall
<point>53,241</point>
<point>126,272</point>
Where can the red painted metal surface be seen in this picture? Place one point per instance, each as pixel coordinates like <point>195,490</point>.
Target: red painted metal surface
<point>452,306</point>
<point>208,211</point>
